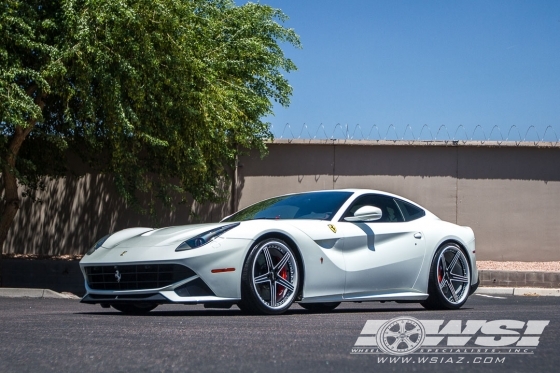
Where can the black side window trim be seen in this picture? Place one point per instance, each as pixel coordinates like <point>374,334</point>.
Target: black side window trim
<point>406,216</point>
<point>375,195</point>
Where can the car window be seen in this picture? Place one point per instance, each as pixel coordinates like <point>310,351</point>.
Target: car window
<point>389,209</point>
<point>410,211</point>
<point>309,205</point>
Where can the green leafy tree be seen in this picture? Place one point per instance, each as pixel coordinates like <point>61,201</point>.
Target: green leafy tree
<point>159,93</point>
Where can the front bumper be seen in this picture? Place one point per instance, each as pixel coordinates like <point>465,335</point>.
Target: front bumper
<point>147,283</point>
<point>208,274</point>
<point>154,298</point>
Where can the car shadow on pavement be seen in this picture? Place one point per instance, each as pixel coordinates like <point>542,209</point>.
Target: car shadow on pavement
<point>235,312</point>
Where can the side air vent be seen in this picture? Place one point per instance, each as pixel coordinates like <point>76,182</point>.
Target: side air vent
<point>195,288</point>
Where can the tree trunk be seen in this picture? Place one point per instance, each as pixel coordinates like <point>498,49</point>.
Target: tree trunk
<point>233,194</point>
<point>11,199</point>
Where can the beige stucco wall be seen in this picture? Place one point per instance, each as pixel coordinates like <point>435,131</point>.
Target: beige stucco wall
<point>511,198</point>
<point>509,195</point>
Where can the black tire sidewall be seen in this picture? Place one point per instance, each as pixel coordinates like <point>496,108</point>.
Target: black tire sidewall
<point>250,300</point>
<point>436,298</point>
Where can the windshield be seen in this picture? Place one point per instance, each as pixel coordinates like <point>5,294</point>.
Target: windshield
<point>314,205</point>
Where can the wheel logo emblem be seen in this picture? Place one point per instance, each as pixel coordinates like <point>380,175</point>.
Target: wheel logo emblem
<point>401,336</point>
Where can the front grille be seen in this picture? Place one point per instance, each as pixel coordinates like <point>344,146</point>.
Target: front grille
<point>135,277</point>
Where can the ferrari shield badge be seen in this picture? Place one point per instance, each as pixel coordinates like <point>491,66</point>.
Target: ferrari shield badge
<point>333,228</point>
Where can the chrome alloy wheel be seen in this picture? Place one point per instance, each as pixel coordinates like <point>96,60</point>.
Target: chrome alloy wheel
<point>275,275</point>
<point>401,336</point>
<point>453,275</point>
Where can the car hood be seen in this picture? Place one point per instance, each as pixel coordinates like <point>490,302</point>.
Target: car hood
<point>163,236</point>
<point>146,237</point>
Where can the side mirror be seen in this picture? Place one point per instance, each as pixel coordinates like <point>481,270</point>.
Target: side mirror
<point>365,213</point>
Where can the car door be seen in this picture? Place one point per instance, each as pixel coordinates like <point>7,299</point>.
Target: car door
<point>383,256</point>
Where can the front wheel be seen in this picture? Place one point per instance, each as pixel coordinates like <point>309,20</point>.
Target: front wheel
<point>270,278</point>
<point>134,309</point>
<point>450,279</point>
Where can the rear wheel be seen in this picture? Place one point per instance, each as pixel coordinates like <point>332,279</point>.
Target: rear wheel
<point>134,309</point>
<point>320,307</point>
<point>450,279</point>
<point>270,278</point>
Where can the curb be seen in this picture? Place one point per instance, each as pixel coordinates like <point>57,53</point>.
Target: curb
<point>47,293</point>
<point>66,276</point>
<point>34,293</point>
<point>527,292</point>
<point>519,279</point>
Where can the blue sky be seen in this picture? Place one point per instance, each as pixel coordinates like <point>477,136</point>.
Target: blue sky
<point>410,63</point>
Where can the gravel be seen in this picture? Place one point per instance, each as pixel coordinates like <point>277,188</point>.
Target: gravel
<point>518,266</point>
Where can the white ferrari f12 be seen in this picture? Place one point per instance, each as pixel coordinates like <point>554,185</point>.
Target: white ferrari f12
<point>315,248</point>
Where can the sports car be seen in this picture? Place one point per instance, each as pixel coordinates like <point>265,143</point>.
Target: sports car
<point>316,249</point>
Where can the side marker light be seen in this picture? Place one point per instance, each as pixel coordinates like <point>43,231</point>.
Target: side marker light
<point>220,270</point>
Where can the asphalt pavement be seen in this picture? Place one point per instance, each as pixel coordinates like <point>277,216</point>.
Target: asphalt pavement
<point>63,335</point>
<point>497,290</point>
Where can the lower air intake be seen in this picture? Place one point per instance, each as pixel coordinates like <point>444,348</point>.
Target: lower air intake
<point>195,288</point>
<point>135,277</point>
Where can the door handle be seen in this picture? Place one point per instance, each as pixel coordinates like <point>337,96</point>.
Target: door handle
<point>418,235</point>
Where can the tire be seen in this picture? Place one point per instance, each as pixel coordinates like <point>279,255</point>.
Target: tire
<point>320,307</point>
<point>475,286</point>
<point>449,283</point>
<point>242,307</point>
<point>270,278</point>
<point>134,309</point>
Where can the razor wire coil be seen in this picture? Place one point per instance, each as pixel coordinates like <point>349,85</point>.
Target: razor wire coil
<point>426,135</point>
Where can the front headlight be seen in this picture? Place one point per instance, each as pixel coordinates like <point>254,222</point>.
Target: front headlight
<point>97,245</point>
<point>203,238</point>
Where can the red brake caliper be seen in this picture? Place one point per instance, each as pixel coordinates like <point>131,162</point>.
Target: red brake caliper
<point>440,274</point>
<point>284,274</point>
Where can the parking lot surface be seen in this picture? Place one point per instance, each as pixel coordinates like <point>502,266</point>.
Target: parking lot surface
<point>62,335</point>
